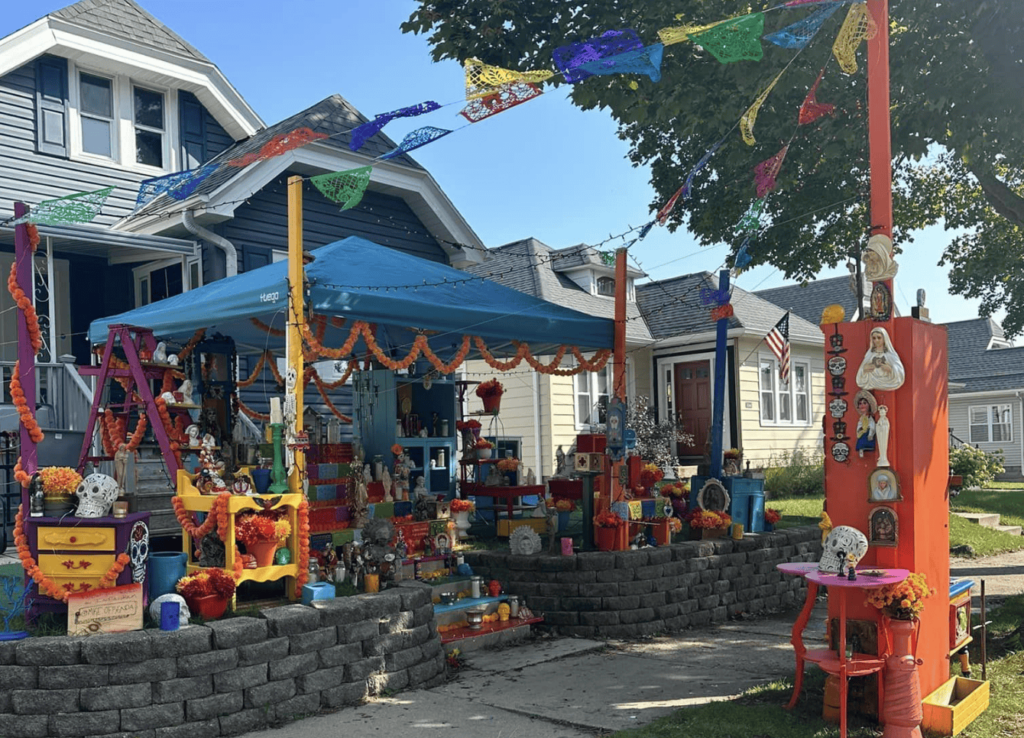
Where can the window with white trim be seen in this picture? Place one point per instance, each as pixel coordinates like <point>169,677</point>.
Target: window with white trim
<point>784,403</point>
<point>991,423</point>
<point>148,109</point>
<point>96,108</point>
<point>592,391</point>
<point>606,286</point>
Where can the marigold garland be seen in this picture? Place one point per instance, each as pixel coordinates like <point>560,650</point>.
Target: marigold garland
<point>266,328</point>
<point>303,576</point>
<point>21,475</point>
<point>452,365</point>
<point>217,518</point>
<point>165,421</point>
<point>249,412</point>
<point>339,353</point>
<point>47,585</point>
<point>21,404</point>
<point>26,306</point>
<point>501,366</point>
<point>33,235</point>
<point>187,348</point>
<point>327,400</point>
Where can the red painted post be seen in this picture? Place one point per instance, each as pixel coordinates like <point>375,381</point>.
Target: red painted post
<point>879,126</point>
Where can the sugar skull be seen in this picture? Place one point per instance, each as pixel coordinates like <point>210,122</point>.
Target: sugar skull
<point>842,543</point>
<point>156,605</point>
<point>96,495</point>
<point>138,551</point>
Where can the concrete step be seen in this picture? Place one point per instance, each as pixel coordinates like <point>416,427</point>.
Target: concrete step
<point>1013,530</point>
<point>986,520</point>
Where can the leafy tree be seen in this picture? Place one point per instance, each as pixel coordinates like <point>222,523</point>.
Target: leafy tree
<point>655,441</point>
<point>957,95</point>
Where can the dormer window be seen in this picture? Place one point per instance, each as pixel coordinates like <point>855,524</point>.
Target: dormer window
<point>606,286</point>
<point>149,127</point>
<point>97,112</point>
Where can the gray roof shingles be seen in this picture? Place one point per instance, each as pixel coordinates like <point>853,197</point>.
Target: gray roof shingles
<point>810,299</point>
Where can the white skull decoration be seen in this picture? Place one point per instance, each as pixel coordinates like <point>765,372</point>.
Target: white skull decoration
<point>138,551</point>
<point>156,605</point>
<point>842,542</point>
<point>96,495</point>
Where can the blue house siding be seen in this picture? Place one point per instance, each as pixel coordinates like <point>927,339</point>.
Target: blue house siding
<point>31,176</point>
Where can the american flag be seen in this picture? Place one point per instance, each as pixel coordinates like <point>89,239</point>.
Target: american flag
<point>778,341</point>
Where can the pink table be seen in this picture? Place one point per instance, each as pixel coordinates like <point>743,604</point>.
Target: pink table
<point>826,658</point>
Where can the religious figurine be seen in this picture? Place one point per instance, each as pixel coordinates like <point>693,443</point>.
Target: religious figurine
<point>531,478</point>
<point>367,476</point>
<point>882,368</point>
<point>882,431</point>
<point>421,488</point>
<point>435,422</point>
<point>186,390</point>
<point>35,496</point>
<point>468,445</point>
<point>360,505</point>
<point>883,486</point>
<point>160,353</point>
<point>193,436</point>
<point>494,477</point>
<point>209,442</point>
<point>878,261</point>
<point>403,472</point>
<point>882,527</point>
<point>330,564</point>
<point>385,478</point>
<point>866,407</point>
<point>560,462</point>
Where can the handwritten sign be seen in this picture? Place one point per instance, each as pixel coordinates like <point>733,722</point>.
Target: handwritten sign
<point>114,610</point>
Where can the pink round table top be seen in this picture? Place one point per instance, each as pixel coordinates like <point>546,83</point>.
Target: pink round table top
<point>798,568</point>
<point>863,581</point>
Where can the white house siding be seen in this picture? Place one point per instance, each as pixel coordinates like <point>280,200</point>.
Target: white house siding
<point>959,422</point>
<point>761,443</point>
<point>641,374</point>
<point>516,418</point>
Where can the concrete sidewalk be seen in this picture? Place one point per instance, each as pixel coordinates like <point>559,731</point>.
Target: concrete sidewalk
<point>567,688</point>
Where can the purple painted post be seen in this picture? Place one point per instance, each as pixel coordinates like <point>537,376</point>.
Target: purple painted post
<point>26,356</point>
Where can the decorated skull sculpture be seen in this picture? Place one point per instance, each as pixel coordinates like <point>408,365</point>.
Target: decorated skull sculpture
<point>841,543</point>
<point>138,551</point>
<point>96,495</point>
<point>156,605</point>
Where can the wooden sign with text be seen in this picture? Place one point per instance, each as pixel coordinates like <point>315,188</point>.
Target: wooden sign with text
<point>113,610</point>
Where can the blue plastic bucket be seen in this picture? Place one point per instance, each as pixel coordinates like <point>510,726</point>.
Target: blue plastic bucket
<point>165,569</point>
<point>261,480</point>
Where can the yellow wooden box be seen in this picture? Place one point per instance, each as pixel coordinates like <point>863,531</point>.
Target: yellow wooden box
<point>954,705</point>
<point>505,527</point>
<point>76,569</point>
<point>76,539</point>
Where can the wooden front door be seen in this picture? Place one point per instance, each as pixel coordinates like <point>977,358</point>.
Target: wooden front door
<point>693,405</point>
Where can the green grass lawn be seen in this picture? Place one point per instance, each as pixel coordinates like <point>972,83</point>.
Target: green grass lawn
<point>1007,501</point>
<point>1005,485</point>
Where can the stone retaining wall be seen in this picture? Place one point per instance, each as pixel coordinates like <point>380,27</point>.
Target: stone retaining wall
<point>225,677</point>
<point>656,590</point>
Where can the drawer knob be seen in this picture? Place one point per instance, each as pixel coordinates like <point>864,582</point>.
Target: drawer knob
<point>73,539</point>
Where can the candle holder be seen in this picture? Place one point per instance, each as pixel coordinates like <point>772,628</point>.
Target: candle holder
<point>278,476</point>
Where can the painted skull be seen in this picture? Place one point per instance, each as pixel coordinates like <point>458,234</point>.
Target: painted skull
<point>156,605</point>
<point>96,495</point>
<point>138,551</point>
<point>841,452</point>
<point>841,543</point>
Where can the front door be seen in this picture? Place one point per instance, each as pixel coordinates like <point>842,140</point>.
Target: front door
<point>693,405</point>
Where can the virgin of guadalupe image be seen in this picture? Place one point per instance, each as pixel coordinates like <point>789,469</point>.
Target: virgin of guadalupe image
<point>881,368</point>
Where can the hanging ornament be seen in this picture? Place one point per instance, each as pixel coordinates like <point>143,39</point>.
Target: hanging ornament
<point>81,207</point>
<point>750,223</point>
<point>179,185</point>
<point>645,230</point>
<point>639,61</point>
<point>858,26</point>
<point>797,35</point>
<point>346,187</point>
<point>684,191</point>
<point>507,96</point>
<point>569,58</point>
<point>419,137</point>
<point>743,259</point>
<point>811,109</point>
<point>766,172</point>
<point>278,145</point>
<point>678,34</point>
<point>734,40</point>
<point>483,79</point>
<point>750,117</point>
<point>364,132</point>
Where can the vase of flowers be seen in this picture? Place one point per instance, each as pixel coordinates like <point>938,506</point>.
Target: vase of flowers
<point>207,592</point>
<point>484,449</point>
<point>901,604</point>
<point>262,533</point>
<point>678,494</point>
<point>564,508</point>
<point>471,425</point>
<point>490,393</point>
<point>650,475</point>
<point>731,465</point>
<point>59,485</point>
<point>608,524</point>
<point>771,517</point>
<point>461,510</point>
<point>707,524</point>
<point>508,466</point>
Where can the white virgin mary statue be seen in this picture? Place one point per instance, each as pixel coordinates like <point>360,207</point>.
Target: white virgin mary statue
<point>881,368</point>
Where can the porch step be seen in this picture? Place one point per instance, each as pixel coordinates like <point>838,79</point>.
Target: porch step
<point>1013,530</point>
<point>991,520</point>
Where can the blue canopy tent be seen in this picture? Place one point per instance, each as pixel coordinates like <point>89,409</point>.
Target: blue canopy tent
<point>360,280</point>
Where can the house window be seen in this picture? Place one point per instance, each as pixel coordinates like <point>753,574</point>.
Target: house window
<point>606,286</point>
<point>149,127</point>
<point>592,390</point>
<point>97,114</point>
<point>162,279</point>
<point>991,423</point>
<point>784,403</point>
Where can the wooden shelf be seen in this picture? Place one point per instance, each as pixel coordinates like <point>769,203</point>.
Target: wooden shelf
<point>468,603</point>
<point>485,628</point>
<point>183,406</point>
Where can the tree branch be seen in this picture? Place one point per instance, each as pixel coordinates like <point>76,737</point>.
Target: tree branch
<point>1000,196</point>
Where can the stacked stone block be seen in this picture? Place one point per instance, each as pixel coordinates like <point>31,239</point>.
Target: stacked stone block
<point>656,590</point>
<point>225,677</point>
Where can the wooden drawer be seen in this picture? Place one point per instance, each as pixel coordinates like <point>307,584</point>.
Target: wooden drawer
<point>76,539</point>
<point>82,571</point>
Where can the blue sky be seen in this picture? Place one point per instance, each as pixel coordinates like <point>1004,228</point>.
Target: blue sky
<point>544,169</point>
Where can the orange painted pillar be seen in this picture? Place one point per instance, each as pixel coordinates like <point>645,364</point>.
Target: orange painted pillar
<point>919,454</point>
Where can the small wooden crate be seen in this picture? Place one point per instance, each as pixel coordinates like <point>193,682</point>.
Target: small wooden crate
<point>954,705</point>
<point>505,527</point>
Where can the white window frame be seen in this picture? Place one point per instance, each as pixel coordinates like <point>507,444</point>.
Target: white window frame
<point>591,378</point>
<point>597,286</point>
<point>143,275</point>
<point>787,392</point>
<point>136,126</point>
<point>77,116</point>
<point>1003,409</point>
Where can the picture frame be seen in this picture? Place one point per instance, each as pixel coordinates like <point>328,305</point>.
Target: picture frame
<point>884,485</point>
<point>883,527</point>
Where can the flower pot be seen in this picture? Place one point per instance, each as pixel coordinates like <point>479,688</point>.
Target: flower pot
<point>484,453</point>
<point>462,524</point>
<point>209,607</point>
<point>563,519</point>
<point>371,582</point>
<point>707,534</point>
<point>606,539</point>
<point>263,551</point>
<point>165,569</point>
<point>492,403</point>
<point>903,711</point>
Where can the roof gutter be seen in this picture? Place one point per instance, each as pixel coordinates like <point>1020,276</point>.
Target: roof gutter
<point>230,253</point>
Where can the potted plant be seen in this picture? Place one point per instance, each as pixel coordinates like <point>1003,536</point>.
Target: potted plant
<point>207,592</point>
<point>650,475</point>
<point>461,510</point>
<point>705,524</point>
<point>262,533</point>
<point>508,466</point>
<point>771,517</point>
<point>59,485</point>
<point>608,524</point>
<point>732,458</point>
<point>471,425</point>
<point>490,393</point>
<point>678,494</point>
<point>484,448</point>
<point>564,508</point>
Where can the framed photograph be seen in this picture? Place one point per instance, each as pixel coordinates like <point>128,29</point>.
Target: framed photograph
<point>883,527</point>
<point>883,486</point>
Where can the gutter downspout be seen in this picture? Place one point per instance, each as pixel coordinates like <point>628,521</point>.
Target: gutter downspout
<point>230,253</point>
<point>536,428</point>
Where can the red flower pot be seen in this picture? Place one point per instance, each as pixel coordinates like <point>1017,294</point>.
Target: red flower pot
<point>209,607</point>
<point>492,403</point>
<point>606,539</point>
<point>263,551</point>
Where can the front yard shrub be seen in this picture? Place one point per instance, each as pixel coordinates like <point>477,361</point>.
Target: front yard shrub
<point>977,467</point>
<point>795,474</point>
